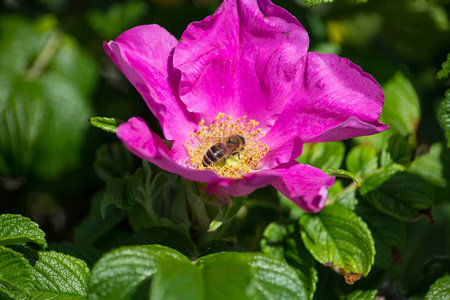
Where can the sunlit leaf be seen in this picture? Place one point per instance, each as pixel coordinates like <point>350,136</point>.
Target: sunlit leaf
<point>311,3</point>
<point>339,238</point>
<point>60,275</point>
<point>119,273</point>
<point>248,275</point>
<point>106,124</point>
<point>440,290</point>
<point>16,229</point>
<point>444,73</point>
<point>15,273</point>
<point>89,254</point>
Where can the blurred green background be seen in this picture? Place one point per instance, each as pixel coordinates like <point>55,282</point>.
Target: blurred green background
<point>54,75</point>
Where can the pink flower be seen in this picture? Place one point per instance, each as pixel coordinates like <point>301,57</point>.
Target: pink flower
<point>244,71</point>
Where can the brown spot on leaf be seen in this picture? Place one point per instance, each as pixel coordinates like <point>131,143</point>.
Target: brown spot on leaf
<point>351,278</point>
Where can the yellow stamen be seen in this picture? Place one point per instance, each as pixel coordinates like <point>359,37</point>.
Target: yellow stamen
<point>237,165</point>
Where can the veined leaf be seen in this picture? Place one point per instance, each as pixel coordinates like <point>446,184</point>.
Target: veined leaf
<point>118,274</point>
<point>15,273</point>
<point>399,194</point>
<point>440,290</point>
<point>60,275</point>
<point>284,243</point>
<point>16,229</point>
<point>89,254</point>
<point>339,238</point>
<point>444,73</point>
<point>248,276</point>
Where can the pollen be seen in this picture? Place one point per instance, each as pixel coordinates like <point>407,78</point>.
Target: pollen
<point>230,162</point>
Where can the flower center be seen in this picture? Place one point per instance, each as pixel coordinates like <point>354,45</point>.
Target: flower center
<point>229,148</point>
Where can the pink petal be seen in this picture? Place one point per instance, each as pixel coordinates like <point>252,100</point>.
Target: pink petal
<point>243,60</point>
<point>304,185</point>
<point>144,143</point>
<point>335,100</point>
<point>144,55</point>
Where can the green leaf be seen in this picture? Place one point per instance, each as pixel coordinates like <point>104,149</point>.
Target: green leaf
<point>16,229</point>
<point>166,237</point>
<point>440,290</point>
<point>339,238</point>
<point>386,231</point>
<point>347,197</point>
<point>284,243</point>
<point>362,160</point>
<point>343,173</point>
<point>115,193</point>
<point>323,155</point>
<point>401,111</point>
<point>400,150</point>
<point>89,254</point>
<point>106,124</point>
<point>399,194</point>
<point>60,275</point>
<point>119,272</point>
<point>444,73</point>
<point>432,167</point>
<point>15,273</point>
<point>361,295</point>
<point>312,3</point>
<point>444,116</point>
<point>231,275</point>
<point>177,279</point>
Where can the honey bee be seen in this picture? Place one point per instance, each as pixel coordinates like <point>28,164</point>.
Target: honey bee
<point>223,149</point>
